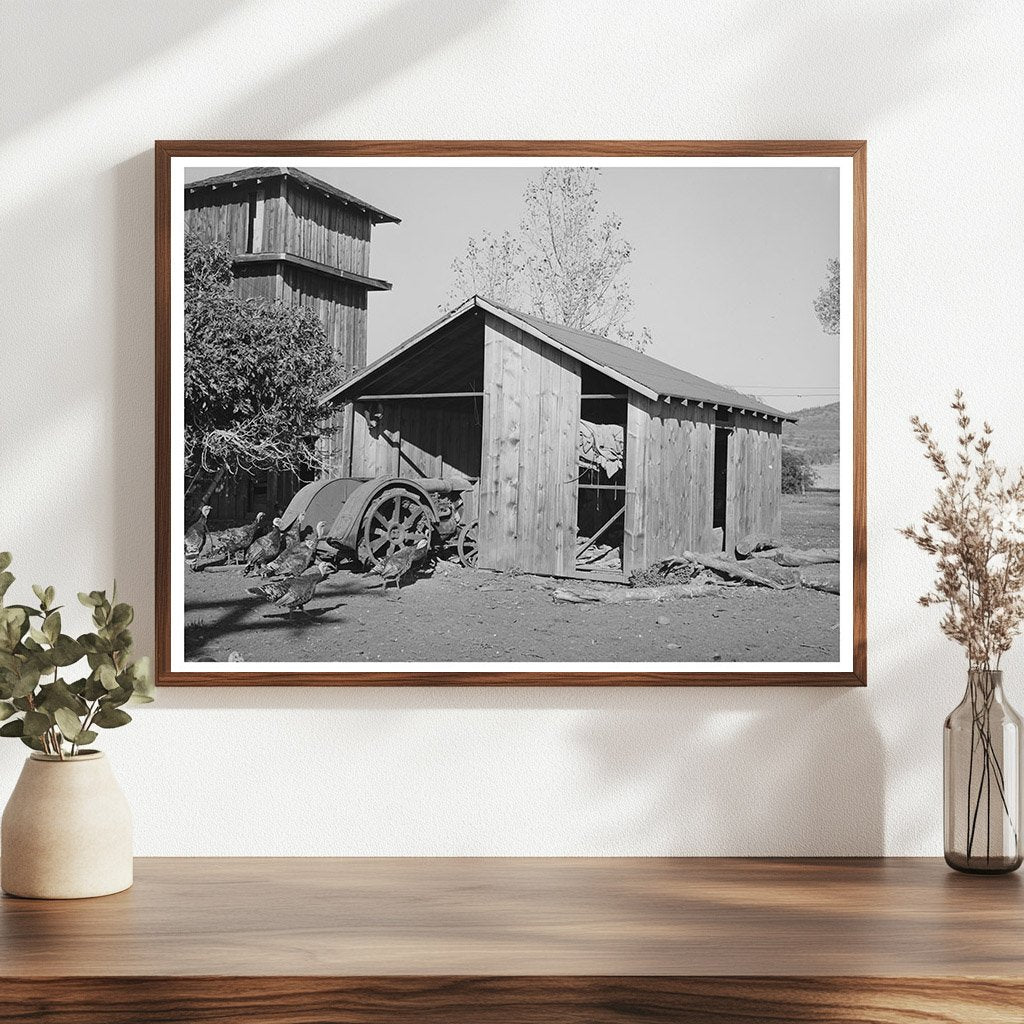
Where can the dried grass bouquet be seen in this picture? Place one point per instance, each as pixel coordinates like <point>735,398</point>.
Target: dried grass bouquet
<point>975,529</point>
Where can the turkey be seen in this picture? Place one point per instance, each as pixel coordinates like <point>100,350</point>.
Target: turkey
<point>225,544</point>
<point>294,592</point>
<point>238,538</point>
<point>294,532</point>
<point>264,549</point>
<point>297,557</point>
<point>397,564</point>
<point>195,536</point>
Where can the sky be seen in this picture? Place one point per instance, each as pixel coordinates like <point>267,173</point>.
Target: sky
<point>726,261</point>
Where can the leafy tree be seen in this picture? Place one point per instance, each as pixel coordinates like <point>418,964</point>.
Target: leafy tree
<point>566,264</point>
<point>797,472</point>
<point>826,305</point>
<point>254,372</point>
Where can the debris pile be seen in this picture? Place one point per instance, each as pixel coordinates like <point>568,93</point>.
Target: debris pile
<point>667,573</point>
<point>601,556</point>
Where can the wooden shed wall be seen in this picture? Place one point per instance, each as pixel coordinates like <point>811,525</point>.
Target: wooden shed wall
<point>412,439</point>
<point>669,482</point>
<point>754,494</point>
<point>326,230</point>
<point>528,492</point>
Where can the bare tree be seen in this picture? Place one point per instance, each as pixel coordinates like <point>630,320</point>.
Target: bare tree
<point>566,264</point>
<point>492,267</point>
<point>826,305</point>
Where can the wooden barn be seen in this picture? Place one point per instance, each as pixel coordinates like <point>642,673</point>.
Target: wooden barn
<point>295,239</point>
<point>573,443</point>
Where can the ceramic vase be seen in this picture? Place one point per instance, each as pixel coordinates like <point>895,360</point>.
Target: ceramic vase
<point>66,831</point>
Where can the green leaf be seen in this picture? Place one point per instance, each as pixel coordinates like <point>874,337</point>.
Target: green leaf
<point>6,710</point>
<point>94,689</point>
<point>28,610</point>
<point>38,635</point>
<point>94,644</point>
<point>13,728</point>
<point>67,651</point>
<point>27,682</point>
<point>86,736</point>
<point>107,676</point>
<point>36,723</point>
<point>122,616</point>
<point>142,679</point>
<point>13,626</point>
<point>5,559</point>
<point>69,724</point>
<point>115,698</point>
<point>6,579</point>
<point>31,741</point>
<point>49,595</point>
<point>51,626</point>
<point>111,718</point>
<point>59,695</point>
<point>40,593</point>
<point>89,600</point>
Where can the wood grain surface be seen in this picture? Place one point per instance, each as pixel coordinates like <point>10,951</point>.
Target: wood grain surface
<point>165,150</point>
<point>523,939</point>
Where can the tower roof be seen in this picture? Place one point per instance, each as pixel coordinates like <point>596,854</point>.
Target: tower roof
<point>253,174</point>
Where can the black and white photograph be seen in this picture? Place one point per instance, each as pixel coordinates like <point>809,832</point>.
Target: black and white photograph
<point>511,414</point>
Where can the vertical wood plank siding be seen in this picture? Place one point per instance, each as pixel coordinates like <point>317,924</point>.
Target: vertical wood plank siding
<point>528,489</point>
<point>410,439</point>
<point>323,229</point>
<point>754,491</point>
<point>669,466</point>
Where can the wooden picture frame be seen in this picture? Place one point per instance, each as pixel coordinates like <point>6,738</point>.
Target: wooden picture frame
<point>850,155</point>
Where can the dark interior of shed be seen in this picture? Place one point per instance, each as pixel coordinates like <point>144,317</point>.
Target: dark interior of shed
<point>602,487</point>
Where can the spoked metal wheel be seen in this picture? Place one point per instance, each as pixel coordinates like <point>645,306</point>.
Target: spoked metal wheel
<point>395,520</point>
<point>468,544</point>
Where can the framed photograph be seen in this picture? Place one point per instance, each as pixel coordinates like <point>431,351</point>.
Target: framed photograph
<point>492,413</point>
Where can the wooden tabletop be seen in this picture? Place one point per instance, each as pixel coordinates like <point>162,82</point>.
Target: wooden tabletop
<point>509,917</point>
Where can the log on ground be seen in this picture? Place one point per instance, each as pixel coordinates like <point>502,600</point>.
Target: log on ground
<point>762,572</point>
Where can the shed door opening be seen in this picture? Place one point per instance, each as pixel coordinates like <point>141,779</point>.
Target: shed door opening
<point>721,478</point>
<point>601,487</point>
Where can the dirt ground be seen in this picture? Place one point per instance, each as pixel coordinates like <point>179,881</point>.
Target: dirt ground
<point>458,615</point>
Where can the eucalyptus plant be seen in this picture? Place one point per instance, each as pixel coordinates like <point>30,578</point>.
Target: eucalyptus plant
<point>37,703</point>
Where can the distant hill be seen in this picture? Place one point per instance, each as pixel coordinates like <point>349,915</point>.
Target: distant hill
<point>817,433</point>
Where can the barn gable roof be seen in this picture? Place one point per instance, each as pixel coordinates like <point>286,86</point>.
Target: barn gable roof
<point>377,216</point>
<point>638,372</point>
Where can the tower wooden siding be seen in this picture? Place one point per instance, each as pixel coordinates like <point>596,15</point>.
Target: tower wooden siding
<point>292,219</point>
<point>294,243</point>
<point>528,484</point>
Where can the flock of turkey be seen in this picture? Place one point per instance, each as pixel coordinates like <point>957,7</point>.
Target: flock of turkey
<point>282,557</point>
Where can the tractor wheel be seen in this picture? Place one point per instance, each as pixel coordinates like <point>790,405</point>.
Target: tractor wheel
<point>468,544</point>
<point>395,520</point>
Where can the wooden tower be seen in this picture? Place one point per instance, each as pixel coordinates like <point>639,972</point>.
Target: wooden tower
<point>293,238</point>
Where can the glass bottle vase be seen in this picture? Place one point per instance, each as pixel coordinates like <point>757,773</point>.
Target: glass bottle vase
<point>981,771</point>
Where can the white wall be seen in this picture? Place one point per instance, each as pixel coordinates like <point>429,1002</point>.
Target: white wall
<point>936,88</point>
